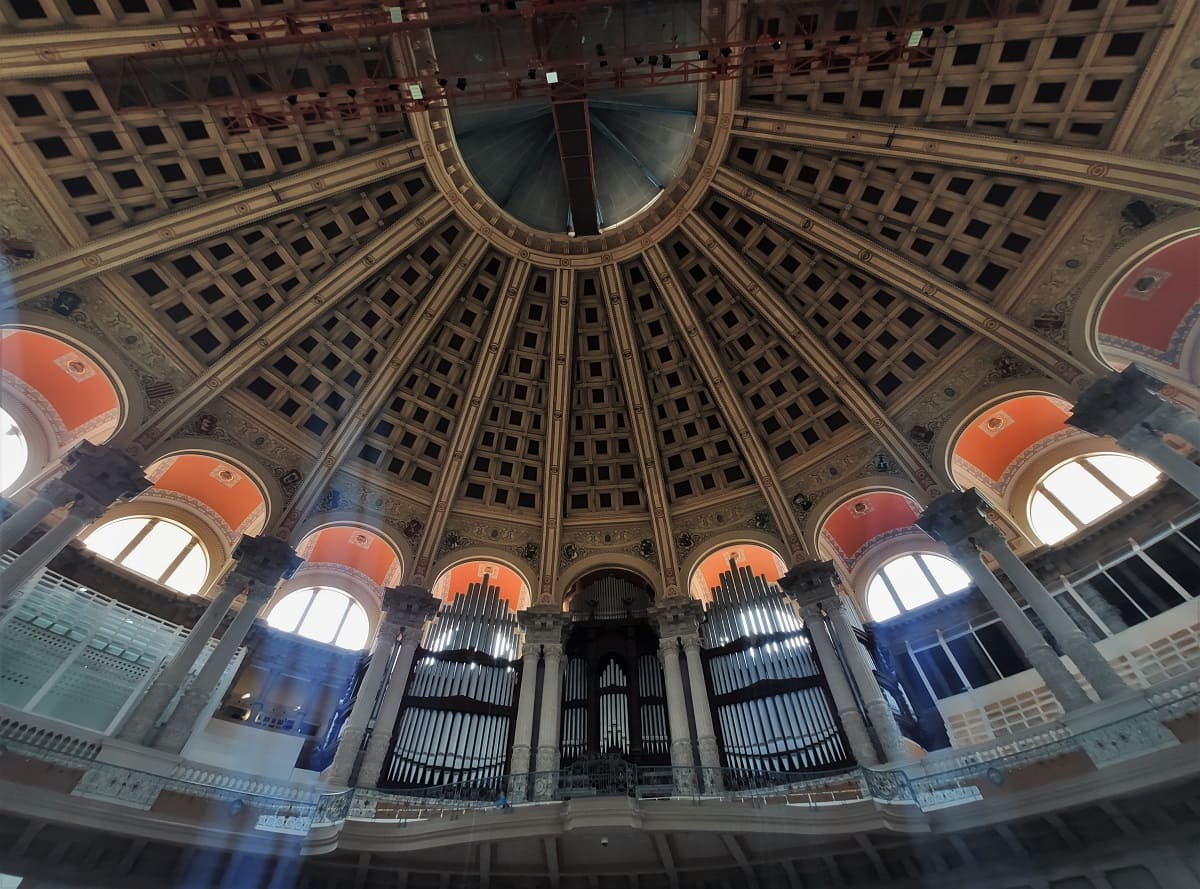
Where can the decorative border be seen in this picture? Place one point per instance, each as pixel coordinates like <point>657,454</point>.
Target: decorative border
<point>36,400</point>
<point>219,524</point>
<point>1174,350</point>
<point>851,560</point>
<point>1000,486</point>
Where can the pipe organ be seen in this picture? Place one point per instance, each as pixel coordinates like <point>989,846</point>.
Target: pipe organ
<point>772,706</point>
<point>455,724</point>
<point>613,700</point>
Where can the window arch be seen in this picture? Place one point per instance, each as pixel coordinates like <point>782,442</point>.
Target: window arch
<point>323,614</point>
<point>1077,493</point>
<point>910,581</point>
<point>157,548</point>
<point>14,451</point>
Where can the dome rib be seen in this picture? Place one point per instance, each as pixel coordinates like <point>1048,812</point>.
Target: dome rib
<point>727,400</point>
<point>182,228</point>
<point>346,276</point>
<point>471,413</point>
<point>637,397</point>
<point>1048,162</point>
<point>800,337</point>
<point>395,363</point>
<point>554,479</point>
<point>926,286</point>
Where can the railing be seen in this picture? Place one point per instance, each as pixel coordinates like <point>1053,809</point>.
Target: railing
<point>295,810</point>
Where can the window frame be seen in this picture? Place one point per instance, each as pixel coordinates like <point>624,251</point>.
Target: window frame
<point>314,590</point>
<point>919,557</point>
<point>1084,462</point>
<point>152,521</point>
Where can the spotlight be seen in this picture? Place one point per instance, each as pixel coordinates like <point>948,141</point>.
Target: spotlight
<point>599,49</point>
<point>844,39</point>
<point>808,44</point>
<point>532,75</point>
<point>890,36</point>
<point>324,27</point>
<point>947,29</point>
<point>485,8</point>
<point>702,55</point>
<point>352,93</point>
<point>653,61</point>
<point>927,33</point>
<point>443,82</point>
<point>291,100</point>
<point>637,60</point>
<point>666,61</point>
<point>604,63</point>
<point>726,51</point>
<point>461,83</point>
<point>776,44</point>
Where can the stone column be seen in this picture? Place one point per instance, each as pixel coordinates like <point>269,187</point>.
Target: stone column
<point>955,519</point>
<point>546,630</point>
<point>166,684</point>
<point>408,606</point>
<point>1127,407</point>
<point>99,476</point>
<point>55,494</point>
<point>1074,642</point>
<point>807,589</point>
<point>706,735</point>
<point>395,620</point>
<point>815,581</point>
<point>677,619</point>
<point>518,782</point>
<point>265,561</point>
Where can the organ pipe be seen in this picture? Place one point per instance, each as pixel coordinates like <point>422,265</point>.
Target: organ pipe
<point>772,706</point>
<point>454,724</point>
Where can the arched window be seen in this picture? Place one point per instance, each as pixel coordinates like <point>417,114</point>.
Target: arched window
<point>910,581</point>
<point>14,451</point>
<point>1074,495</point>
<point>323,614</point>
<point>155,548</point>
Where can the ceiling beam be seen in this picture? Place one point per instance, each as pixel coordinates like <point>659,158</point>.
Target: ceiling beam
<point>1144,177</point>
<point>408,345</point>
<point>796,332</point>
<point>739,855</point>
<point>562,328</point>
<point>629,369</point>
<point>882,264</point>
<point>344,278</point>
<point>728,400</point>
<point>30,54</point>
<point>240,208</point>
<point>462,445</point>
<point>666,858</point>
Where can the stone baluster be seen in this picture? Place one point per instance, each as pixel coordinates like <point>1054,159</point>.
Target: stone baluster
<point>1126,407</point>
<point>956,520</point>
<point>404,615</point>
<point>264,561</point>
<point>98,476</point>
<point>410,607</point>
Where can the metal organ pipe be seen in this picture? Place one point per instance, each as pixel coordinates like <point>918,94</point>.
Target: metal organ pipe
<point>441,739</point>
<point>754,638</point>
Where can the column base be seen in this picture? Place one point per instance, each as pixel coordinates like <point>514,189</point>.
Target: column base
<point>545,780</point>
<point>710,761</point>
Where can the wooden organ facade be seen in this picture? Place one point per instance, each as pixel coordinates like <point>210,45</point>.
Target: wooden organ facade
<point>614,699</point>
<point>456,720</point>
<point>772,709</point>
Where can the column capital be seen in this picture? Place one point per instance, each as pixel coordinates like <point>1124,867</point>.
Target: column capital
<point>677,617</point>
<point>810,583</point>
<point>691,641</point>
<point>103,473</point>
<point>958,519</point>
<point>58,493</point>
<point>544,625</point>
<point>407,606</point>
<point>1124,406</point>
<point>261,562</point>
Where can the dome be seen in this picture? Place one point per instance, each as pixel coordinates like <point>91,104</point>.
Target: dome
<point>812,255</point>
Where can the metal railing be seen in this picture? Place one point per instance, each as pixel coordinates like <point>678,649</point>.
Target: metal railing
<point>295,809</point>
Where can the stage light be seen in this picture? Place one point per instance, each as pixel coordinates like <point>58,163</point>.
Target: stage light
<point>532,74</point>
<point>461,83</point>
<point>442,82</point>
<point>844,39</point>
<point>702,55</point>
<point>777,44</point>
<point>653,61</point>
<point>808,44</point>
<point>666,61</point>
<point>637,60</point>
<point>890,36</point>
<point>726,51</point>
<point>947,29</point>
